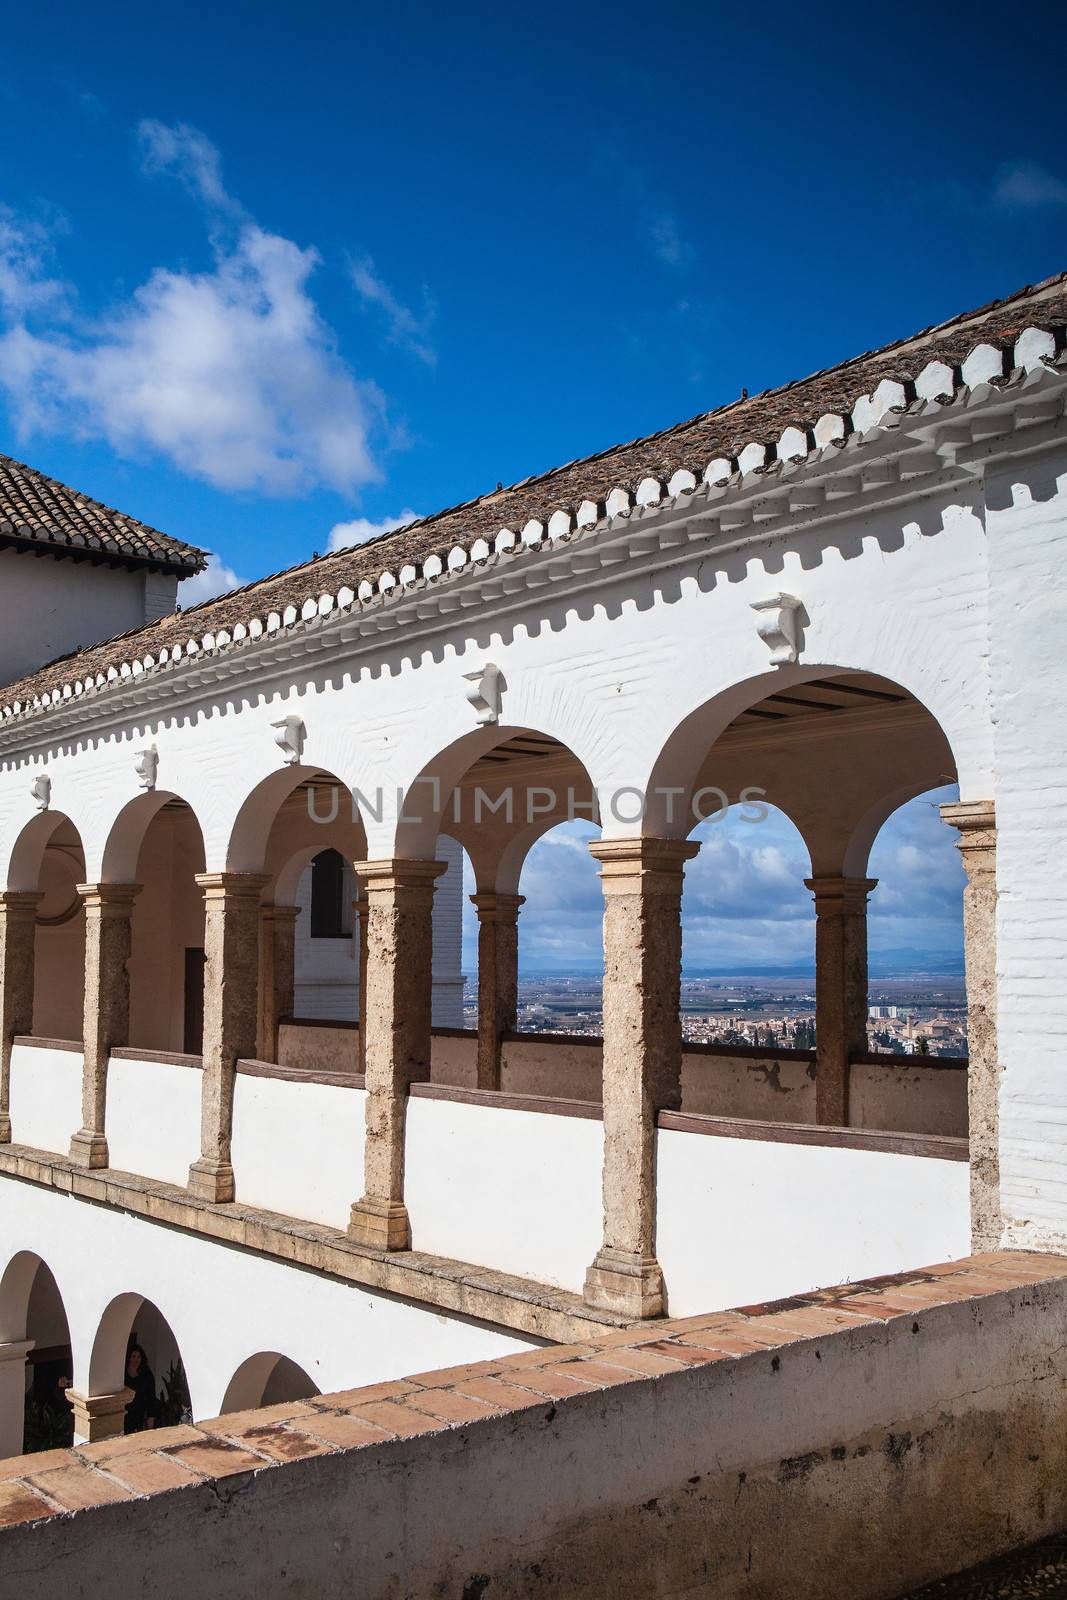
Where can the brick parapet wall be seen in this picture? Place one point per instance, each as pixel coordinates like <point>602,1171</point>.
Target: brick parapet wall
<point>36,1488</point>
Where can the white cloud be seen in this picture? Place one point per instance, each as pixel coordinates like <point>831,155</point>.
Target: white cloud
<point>360,529</point>
<point>404,327</point>
<point>1027,186</point>
<point>230,373</point>
<point>215,579</point>
<point>25,248</point>
<point>668,243</point>
<point>184,152</point>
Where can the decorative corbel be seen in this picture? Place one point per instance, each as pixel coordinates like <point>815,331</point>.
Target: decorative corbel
<point>779,627</point>
<point>484,694</point>
<point>41,790</point>
<point>146,765</point>
<point>289,735</point>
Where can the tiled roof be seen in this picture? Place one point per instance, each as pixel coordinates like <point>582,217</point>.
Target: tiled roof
<point>36,511</point>
<point>752,434</point>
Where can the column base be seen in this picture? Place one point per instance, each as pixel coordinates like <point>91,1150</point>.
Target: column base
<point>5,1127</point>
<point>89,1149</point>
<point>628,1284</point>
<point>380,1224</point>
<point>98,1416</point>
<point>212,1181</point>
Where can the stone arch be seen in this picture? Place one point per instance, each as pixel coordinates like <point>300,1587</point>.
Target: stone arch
<point>250,837</point>
<point>265,1379</point>
<point>683,759</point>
<point>36,1360</point>
<point>462,791</point>
<point>128,1317</point>
<point>126,836</point>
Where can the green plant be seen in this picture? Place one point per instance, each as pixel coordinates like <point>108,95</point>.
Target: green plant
<point>45,1427</point>
<point>174,1404</point>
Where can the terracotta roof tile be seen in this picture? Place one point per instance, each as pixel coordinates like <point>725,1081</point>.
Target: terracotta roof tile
<point>36,510</point>
<point>688,447</point>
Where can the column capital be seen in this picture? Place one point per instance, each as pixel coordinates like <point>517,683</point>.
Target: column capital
<point>656,865</point>
<point>970,816</point>
<point>120,895</point>
<point>16,1349</point>
<point>282,914</point>
<point>24,901</point>
<point>493,907</point>
<point>840,897</point>
<point>99,1416</point>
<point>396,872</point>
<point>231,885</point>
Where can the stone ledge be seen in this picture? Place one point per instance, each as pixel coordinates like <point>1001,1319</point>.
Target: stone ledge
<point>485,1295</point>
<point>385,1415</point>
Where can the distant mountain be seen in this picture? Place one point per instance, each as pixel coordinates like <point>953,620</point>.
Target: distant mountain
<point>883,964</point>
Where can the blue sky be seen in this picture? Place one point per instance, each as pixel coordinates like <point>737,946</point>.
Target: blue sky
<point>266,274</point>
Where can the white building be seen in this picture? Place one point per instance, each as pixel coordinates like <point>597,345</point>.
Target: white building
<point>842,594</point>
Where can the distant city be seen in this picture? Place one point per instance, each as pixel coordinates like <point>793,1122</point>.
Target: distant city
<point>919,1015</point>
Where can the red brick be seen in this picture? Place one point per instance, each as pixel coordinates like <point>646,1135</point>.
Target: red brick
<point>75,1486</point>
<point>345,1431</point>
<point>238,1421</point>
<point>448,1406</point>
<point>508,1396</point>
<point>280,1443</point>
<point>19,1504</point>
<point>146,1473</point>
<point>650,1363</point>
<point>371,1392</point>
<point>396,1419</point>
<point>596,1374</point>
<point>216,1458</point>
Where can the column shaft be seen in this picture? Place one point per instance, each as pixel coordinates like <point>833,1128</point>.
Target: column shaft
<point>17,936</point>
<point>13,1396</point>
<point>642,881</point>
<point>277,979</point>
<point>106,1009</point>
<point>498,979</point>
<point>231,973</point>
<point>976,821</point>
<point>840,989</point>
<point>396,1025</point>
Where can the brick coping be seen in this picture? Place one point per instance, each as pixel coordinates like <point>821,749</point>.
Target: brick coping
<point>54,1483</point>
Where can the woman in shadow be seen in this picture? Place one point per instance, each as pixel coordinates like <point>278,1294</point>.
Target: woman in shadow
<point>143,1409</point>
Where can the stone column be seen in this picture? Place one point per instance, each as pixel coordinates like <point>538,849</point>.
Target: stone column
<point>231,973</point>
<point>840,989</point>
<point>98,1416</point>
<point>361,906</point>
<point>17,934</point>
<point>277,982</point>
<point>498,978</point>
<point>642,881</point>
<point>976,820</point>
<point>106,1008</point>
<point>397,1029</point>
<point>13,1396</point>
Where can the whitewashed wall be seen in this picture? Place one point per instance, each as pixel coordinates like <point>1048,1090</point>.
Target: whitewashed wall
<point>46,1096</point>
<point>741,1221</point>
<point>298,1147</point>
<point>515,1190</point>
<point>224,1304</point>
<point>1027,518</point>
<point>153,1118</point>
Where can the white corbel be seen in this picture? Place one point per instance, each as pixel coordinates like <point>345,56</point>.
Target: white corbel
<point>146,765</point>
<point>484,693</point>
<point>289,735</point>
<point>779,627</point>
<point>41,790</point>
